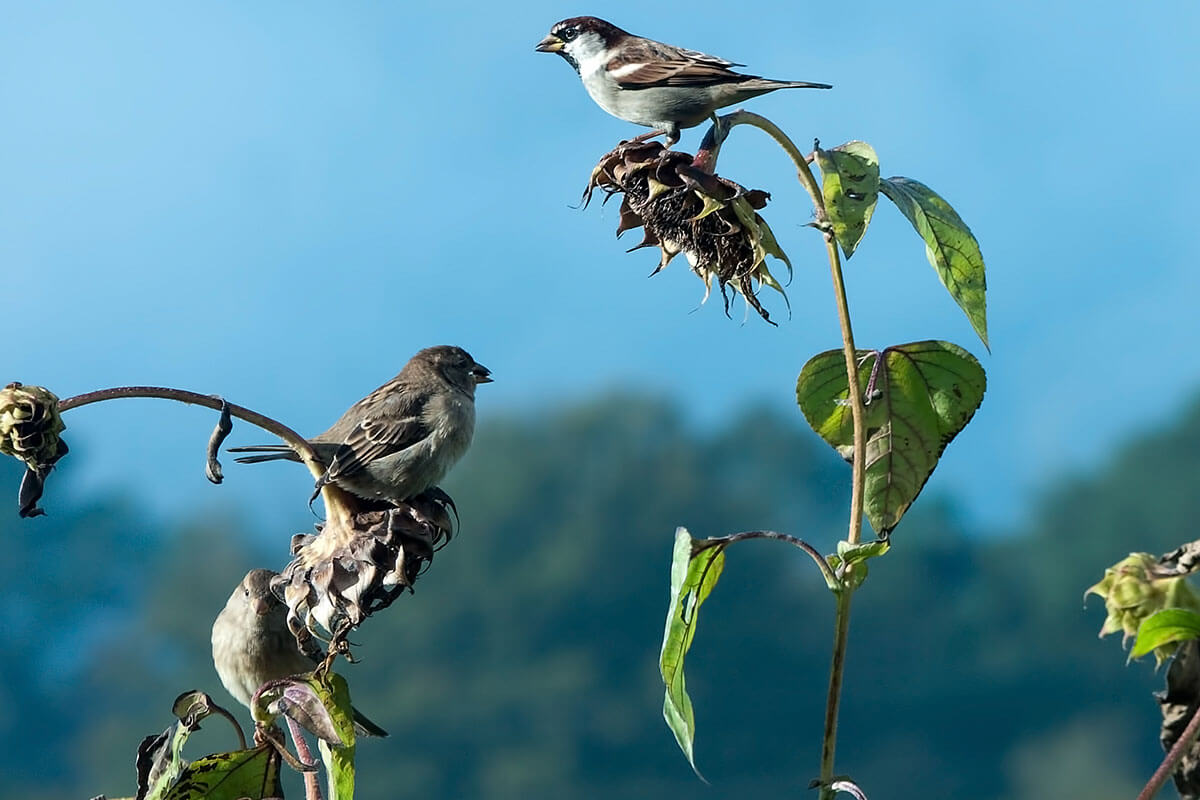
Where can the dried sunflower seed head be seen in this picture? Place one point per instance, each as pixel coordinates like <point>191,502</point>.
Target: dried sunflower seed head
<point>684,209</point>
<point>343,574</point>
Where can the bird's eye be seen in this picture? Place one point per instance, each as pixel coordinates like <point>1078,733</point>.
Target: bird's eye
<point>569,33</point>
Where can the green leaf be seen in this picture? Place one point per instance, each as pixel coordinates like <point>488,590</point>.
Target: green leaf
<point>339,766</point>
<point>949,245</point>
<point>339,760</point>
<point>918,396</point>
<point>1169,626</point>
<point>252,774</point>
<point>854,553</point>
<point>850,185</point>
<point>695,569</point>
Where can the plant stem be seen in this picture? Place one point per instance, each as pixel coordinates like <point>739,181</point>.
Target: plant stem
<point>823,565</point>
<point>857,411</point>
<point>337,503</point>
<point>312,780</point>
<point>1167,767</point>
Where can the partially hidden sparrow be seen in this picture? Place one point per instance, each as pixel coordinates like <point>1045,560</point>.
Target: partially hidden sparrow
<point>650,83</point>
<point>402,438</point>
<point>251,644</point>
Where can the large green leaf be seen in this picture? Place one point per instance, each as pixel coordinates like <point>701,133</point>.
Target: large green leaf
<point>695,569</point>
<point>1166,627</point>
<point>949,245</point>
<point>850,186</point>
<point>918,396</point>
<point>250,774</point>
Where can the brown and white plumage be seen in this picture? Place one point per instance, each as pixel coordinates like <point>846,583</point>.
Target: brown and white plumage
<point>402,438</point>
<point>652,83</point>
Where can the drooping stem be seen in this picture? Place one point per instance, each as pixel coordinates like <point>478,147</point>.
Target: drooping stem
<point>335,500</point>
<point>1167,767</point>
<point>823,565</point>
<point>854,400</point>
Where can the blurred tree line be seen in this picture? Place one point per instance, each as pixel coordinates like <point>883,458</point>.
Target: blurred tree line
<point>525,664</point>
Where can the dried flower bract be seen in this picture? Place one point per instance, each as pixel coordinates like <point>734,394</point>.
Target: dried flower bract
<point>29,430</point>
<point>684,209</point>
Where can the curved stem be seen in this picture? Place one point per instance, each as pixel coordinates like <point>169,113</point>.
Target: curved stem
<point>823,565</point>
<point>335,500</point>
<point>857,410</point>
<point>1167,767</point>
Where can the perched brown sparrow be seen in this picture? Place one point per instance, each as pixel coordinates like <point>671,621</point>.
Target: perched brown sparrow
<point>650,83</point>
<point>251,644</point>
<point>402,438</point>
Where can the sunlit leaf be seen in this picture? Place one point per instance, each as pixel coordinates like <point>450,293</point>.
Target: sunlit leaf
<point>918,395</point>
<point>850,186</point>
<point>949,245</point>
<point>338,759</point>
<point>694,572</point>
<point>251,774</point>
<point>1169,626</point>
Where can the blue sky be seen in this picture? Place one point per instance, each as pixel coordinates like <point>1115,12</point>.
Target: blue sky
<point>282,201</point>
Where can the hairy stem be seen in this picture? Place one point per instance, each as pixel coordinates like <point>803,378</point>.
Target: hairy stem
<point>335,500</point>
<point>854,399</point>
<point>1167,767</point>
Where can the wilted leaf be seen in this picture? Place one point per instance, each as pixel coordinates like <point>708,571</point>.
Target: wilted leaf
<point>1169,626</point>
<point>694,573</point>
<point>949,245</point>
<point>160,763</point>
<point>850,185</point>
<point>919,396</point>
<point>299,698</point>
<point>249,774</point>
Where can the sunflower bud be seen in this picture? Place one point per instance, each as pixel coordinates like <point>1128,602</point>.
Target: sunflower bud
<point>29,430</point>
<point>684,209</point>
<point>1135,588</point>
<point>345,573</point>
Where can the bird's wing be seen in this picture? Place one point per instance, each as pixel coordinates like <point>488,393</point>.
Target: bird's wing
<point>649,63</point>
<point>396,423</point>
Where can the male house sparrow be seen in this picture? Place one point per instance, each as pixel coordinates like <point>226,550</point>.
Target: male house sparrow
<point>402,438</point>
<point>650,83</point>
<point>251,644</point>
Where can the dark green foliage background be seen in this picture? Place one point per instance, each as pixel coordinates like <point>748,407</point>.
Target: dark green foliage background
<point>525,665</point>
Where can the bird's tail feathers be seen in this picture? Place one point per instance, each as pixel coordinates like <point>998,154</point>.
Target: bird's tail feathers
<point>364,726</point>
<point>268,452</point>
<point>802,85</point>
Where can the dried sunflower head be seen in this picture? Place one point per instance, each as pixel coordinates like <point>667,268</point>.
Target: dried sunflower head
<point>29,430</point>
<point>346,572</point>
<point>684,209</point>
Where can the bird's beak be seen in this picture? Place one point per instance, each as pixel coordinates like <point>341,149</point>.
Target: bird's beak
<point>551,44</point>
<point>481,374</point>
<point>261,605</point>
